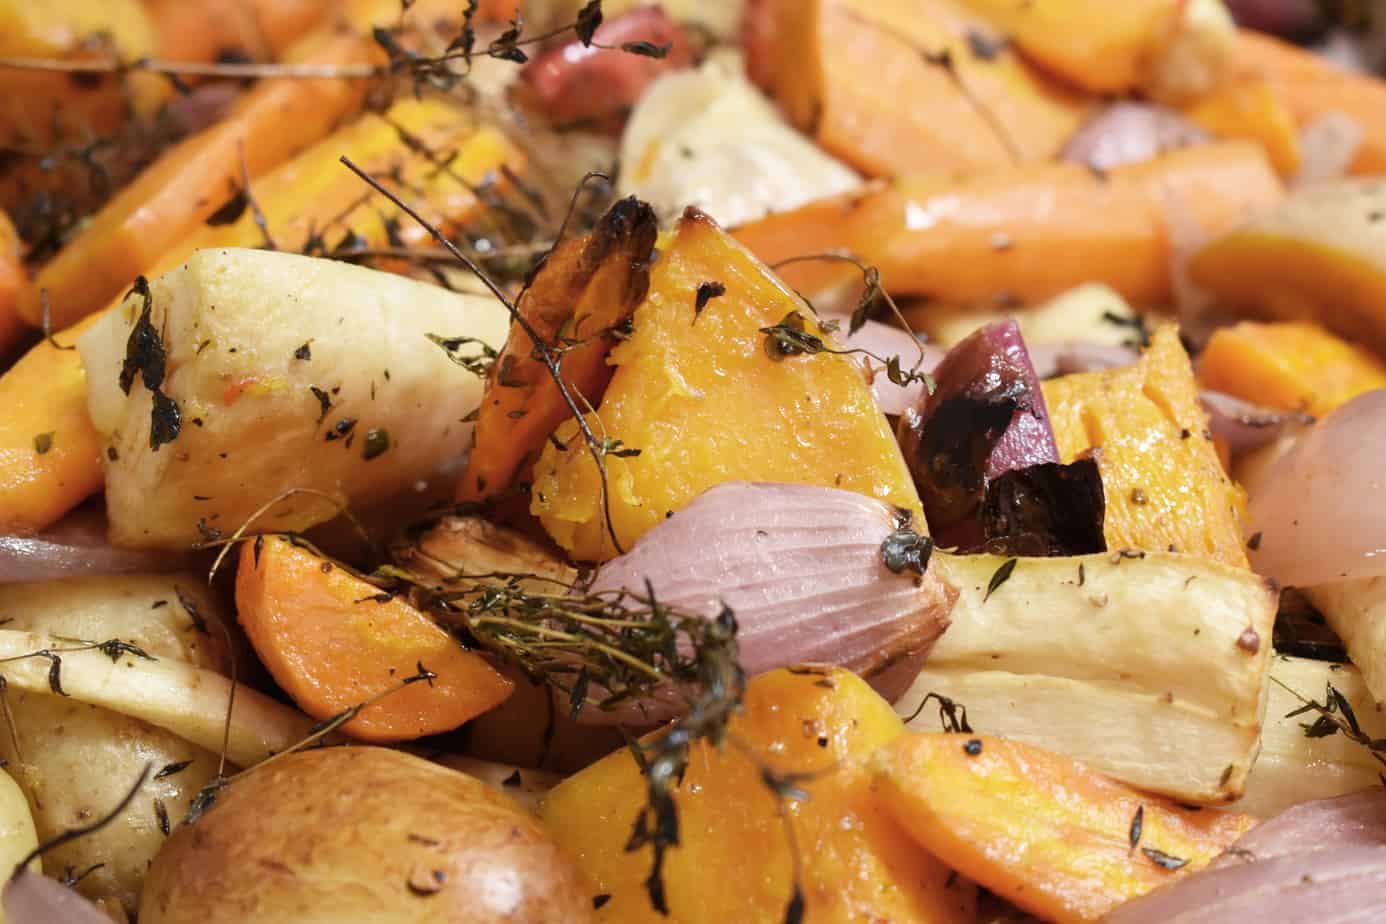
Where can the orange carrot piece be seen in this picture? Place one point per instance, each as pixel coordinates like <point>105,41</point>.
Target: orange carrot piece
<point>1040,829</point>
<point>193,179</point>
<point>812,229</point>
<point>44,396</point>
<point>1251,109</point>
<point>586,287</point>
<point>896,86</point>
<point>213,29</point>
<point>1312,87</point>
<point>1296,365</point>
<point>330,644</point>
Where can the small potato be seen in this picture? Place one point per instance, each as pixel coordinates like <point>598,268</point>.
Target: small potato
<point>367,835</point>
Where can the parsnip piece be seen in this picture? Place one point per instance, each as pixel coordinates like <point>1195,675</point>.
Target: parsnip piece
<point>287,372</point>
<point>1198,56</point>
<point>185,700</point>
<point>1356,610</point>
<point>1295,768</point>
<point>1151,669</point>
<point>709,138</point>
<point>1091,313</point>
<point>17,835</point>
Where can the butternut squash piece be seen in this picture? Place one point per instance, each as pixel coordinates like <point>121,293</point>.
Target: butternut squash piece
<point>40,109</point>
<point>1056,838</point>
<point>212,29</point>
<point>1166,489</point>
<point>975,236</point>
<point>330,645</point>
<point>44,395</point>
<point>1252,110</point>
<point>703,402</point>
<point>1296,365</point>
<point>310,195</point>
<point>194,178</point>
<point>734,862</point>
<point>1320,256</point>
<point>906,85</point>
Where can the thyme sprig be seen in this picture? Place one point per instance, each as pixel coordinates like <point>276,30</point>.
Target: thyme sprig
<point>1335,716</point>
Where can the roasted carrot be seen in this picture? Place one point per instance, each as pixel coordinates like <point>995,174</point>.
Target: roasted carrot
<point>1040,829</point>
<point>12,279</point>
<point>1030,232</point>
<point>331,643</point>
<point>586,287</point>
<point>194,178</point>
<point>214,30</point>
<point>815,228</point>
<point>50,455</point>
<point>1252,110</point>
<point>906,85</point>
<point>1311,87</point>
<point>308,196</point>
<point>1296,365</point>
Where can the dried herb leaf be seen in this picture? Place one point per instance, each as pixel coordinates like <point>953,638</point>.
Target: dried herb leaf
<point>589,18</point>
<point>231,212</point>
<point>1001,576</point>
<point>1162,859</point>
<point>905,549</point>
<point>1137,826</point>
<point>173,768</point>
<point>377,443</point>
<point>43,442</point>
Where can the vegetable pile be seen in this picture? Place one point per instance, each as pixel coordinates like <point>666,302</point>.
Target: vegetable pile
<point>710,460</point>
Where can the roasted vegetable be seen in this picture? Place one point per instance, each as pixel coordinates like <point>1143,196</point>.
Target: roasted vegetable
<point>362,834</point>
<point>735,860</point>
<point>576,304</point>
<point>1318,257</point>
<point>906,85</point>
<point>260,373</point>
<point>1251,109</point>
<point>709,393</point>
<point>229,29</point>
<point>1295,365</point>
<point>1164,484</point>
<point>708,138</point>
<point>1149,668</point>
<point>331,643</point>
<point>964,238</point>
<point>1295,765</point>
<point>12,278</point>
<point>1041,829</point>
<point>1091,314</point>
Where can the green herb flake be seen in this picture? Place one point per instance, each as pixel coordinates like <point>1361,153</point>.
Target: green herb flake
<point>377,442</point>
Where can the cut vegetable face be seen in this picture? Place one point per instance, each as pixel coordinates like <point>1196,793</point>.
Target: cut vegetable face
<point>699,398</point>
<point>734,860</point>
<point>376,408</point>
<point>1042,830</point>
<point>1094,657</point>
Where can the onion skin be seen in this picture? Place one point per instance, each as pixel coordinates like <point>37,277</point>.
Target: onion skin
<point>32,898</point>
<point>886,341</point>
<point>1355,820</point>
<point>1128,133</point>
<point>802,569</point>
<point>77,547</point>
<point>575,82</point>
<point>1317,507</point>
<point>1244,425</point>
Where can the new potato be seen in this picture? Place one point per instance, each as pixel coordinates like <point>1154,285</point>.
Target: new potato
<point>366,835</point>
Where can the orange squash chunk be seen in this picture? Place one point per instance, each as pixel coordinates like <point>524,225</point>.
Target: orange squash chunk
<point>1040,829</point>
<point>702,401</point>
<point>1251,109</point>
<point>734,862</point>
<point>1296,365</point>
<point>331,645</point>
<point>1166,488</point>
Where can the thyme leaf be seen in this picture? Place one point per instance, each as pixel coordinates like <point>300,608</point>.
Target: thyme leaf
<point>1001,576</point>
<point>479,363</point>
<point>1164,860</point>
<point>905,550</point>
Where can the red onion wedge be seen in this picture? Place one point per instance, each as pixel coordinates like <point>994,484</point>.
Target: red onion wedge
<point>1126,133</point>
<point>32,898</point>
<point>1354,820</point>
<point>1318,508</point>
<point>1244,425</point>
<point>885,341</point>
<point>1336,885</point>
<point>578,81</point>
<point>77,546</point>
<point>802,569</point>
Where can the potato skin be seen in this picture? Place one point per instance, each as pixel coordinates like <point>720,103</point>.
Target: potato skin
<point>365,834</point>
